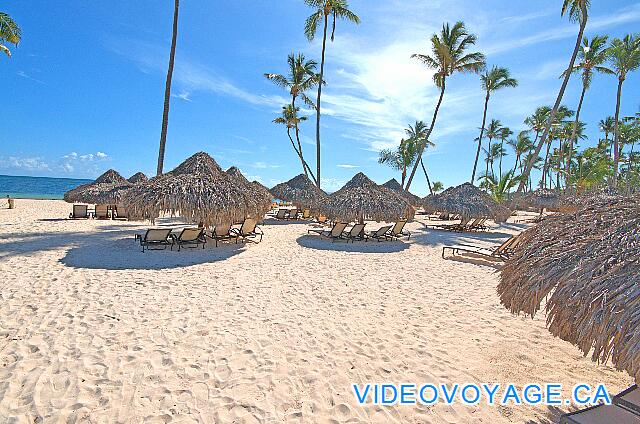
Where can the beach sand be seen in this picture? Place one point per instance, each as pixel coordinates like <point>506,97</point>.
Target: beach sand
<point>94,330</point>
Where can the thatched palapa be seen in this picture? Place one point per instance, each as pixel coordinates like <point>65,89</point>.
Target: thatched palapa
<point>300,191</point>
<point>107,188</point>
<point>362,198</point>
<point>137,178</point>
<point>468,201</point>
<point>430,203</point>
<point>197,190</point>
<point>396,187</point>
<point>237,174</point>
<point>588,263</point>
<point>541,198</point>
<point>571,203</point>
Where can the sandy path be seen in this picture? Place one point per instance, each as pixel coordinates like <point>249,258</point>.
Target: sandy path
<point>93,330</point>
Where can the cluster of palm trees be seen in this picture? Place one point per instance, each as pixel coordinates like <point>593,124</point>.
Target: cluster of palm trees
<point>9,33</point>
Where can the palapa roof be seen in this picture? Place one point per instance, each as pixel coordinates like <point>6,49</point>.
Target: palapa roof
<point>468,201</point>
<point>107,188</point>
<point>587,262</point>
<point>540,198</point>
<point>363,198</point>
<point>200,191</point>
<point>430,202</point>
<point>138,177</point>
<point>570,203</point>
<point>301,191</point>
<point>395,186</point>
<point>262,188</point>
<point>236,173</point>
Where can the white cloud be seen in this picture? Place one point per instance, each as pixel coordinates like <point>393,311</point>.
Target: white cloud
<point>28,164</point>
<point>347,166</point>
<point>183,95</point>
<point>331,184</point>
<point>263,165</point>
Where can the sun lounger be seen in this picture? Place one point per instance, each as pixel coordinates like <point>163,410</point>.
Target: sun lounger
<point>334,234</point>
<point>502,252</point>
<point>190,237</point>
<point>293,214</point>
<point>306,214</point>
<point>101,212</point>
<point>79,212</point>
<point>398,230</point>
<point>379,235</point>
<point>355,233</point>
<point>601,414</point>
<point>451,227</point>
<point>629,399</point>
<point>156,239</point>
<point>220,232</point>
<point>248,231</point>
<point>282,214</point>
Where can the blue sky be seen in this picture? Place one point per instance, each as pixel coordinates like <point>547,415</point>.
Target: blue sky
<point>86,85</point>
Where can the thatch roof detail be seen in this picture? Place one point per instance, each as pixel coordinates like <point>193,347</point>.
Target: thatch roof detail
<point>430,202</point>
<point>587,264</point>
<point>540,198</point>
<point>468,201</point>
<point>107,188</point>
<point>200,191</point>
<point>395,186</point>
<point>570,203</point>
<point>138,177</point>
<point>300,191</point>
<point>361,198</point>
<point>236,173</point>
<point>262,188</point>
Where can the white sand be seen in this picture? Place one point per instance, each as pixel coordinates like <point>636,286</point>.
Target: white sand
<point>93,330</point>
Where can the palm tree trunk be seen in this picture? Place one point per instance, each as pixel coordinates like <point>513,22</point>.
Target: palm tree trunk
<point>563,87</point>
<point>404,175</point>
<point>574,131</point>
<point>324,47</point>
<point>545,168</point>
<point>426,176</point>
<point>515,165</point>
<point>305,165</point>
<point>423,145</point>
<point>501,155</point>
<point>486,172</point>
<point>616,152</point>
<point>167,90</point>
<point>304,168</point>
<point>484,120</point>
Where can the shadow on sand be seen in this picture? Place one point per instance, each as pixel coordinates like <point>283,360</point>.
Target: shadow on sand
<point>321,243</point>
<point>113,249</point>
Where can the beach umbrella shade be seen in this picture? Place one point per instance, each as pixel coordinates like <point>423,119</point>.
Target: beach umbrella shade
<point>138,177</point>
<point>300,191</point>
<point>396,187</point>
<point>541,198</point>
<point>237,174</point>
<point>586,265</point>
<point>361,199</point>
<point>470,202</point>
<point>199,191</point>
<point>570,203</point>
<point>430,203</point>
<point>108,188</point>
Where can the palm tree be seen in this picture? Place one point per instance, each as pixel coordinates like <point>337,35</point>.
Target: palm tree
<point>505,133</point>
<point>10,33</point>
<point>301,77</point>
<point>167,88</point>
<point>592,56</point>
<point>448,57</point>
<point>493,131</point>
<point>521,145</point>
<point>607,126</point>
<point>437,186</point>
<point>538,121</point>
<point>325,10</point>
<point>578,10</point>
<point>418,133</point>
<point>401,158</point>
<point>558,125</point>
<point>492,80</point>
<point>499,188</point>
<point>624,56</point>
<point>289,118</point>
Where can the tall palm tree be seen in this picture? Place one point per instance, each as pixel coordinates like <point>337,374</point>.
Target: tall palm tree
<point>607,126</point>
<point>493,131</point>
<point>448,56</point>
<point>505,133</point>
<point>167,89</point>
<point>578,10</point>
<point>624,57</point>
<point>301,77</point>
<point>491,80</point>
<point>400,158</point>
<point>325,10</point>
<point>521,145</point>
<point>538,121</point>
<point>290,119</point>
<point>10,33</point>
<point>418,133</point>
<point>437,186</point>
<point>558,128</point>
<point>592,57</point>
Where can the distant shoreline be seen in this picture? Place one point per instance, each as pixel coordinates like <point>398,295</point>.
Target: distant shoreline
<point>37,188</point>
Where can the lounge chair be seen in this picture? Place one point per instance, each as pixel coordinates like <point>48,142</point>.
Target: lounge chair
<point>624,410</point>
<point>220,232</point>
<point>121,212</point>
<point>379,235</point>
<point>306,214</point>
<point>477,225</point>
<point>502,252</point>
<point>190,237</point>
<point>293,214</point>
<point>101,212</point>
<point>398,230</point>
<point>282,214</point>
<point>79,212</point>
<point>355,233</point>
<point>156,239</point>
<point>248,231</point>
<point>451,227</point>
<point>334,234</point>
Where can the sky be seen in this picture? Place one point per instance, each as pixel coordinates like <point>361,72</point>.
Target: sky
<point>85,87</point>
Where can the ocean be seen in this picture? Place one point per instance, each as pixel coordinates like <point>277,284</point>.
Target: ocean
<point>20,187</point>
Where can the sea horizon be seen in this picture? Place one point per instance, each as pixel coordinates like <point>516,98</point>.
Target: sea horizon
<point>39,188</point>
